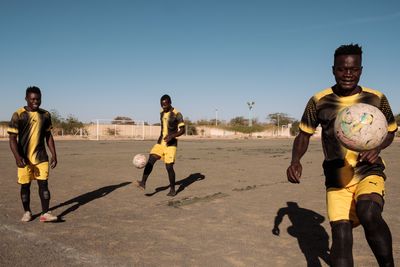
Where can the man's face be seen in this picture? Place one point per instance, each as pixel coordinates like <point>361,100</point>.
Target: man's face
<point>347,71</point>
<point>165,105</point>
<point>33,101</point>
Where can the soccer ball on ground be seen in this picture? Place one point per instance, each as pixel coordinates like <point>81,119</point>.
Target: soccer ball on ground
<point>361,127</point>
<point>139,161</point>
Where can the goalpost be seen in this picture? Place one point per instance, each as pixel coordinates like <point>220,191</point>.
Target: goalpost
<point>106,129</point>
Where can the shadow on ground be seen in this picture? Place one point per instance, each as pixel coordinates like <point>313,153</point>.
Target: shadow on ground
<point>86,198</point>
<point>194,177</point>
<point>306,227</point>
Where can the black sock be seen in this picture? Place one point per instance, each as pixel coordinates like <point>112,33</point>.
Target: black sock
<point>26,196</point>
<point>171,175</point>
<point>44,195</point>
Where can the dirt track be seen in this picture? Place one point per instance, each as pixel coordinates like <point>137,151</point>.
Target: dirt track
<point>230,193</point>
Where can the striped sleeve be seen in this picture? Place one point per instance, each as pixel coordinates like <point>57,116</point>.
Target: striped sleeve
<point>309,120</point>
<point>13,125</point>
<point>180,120</point>
<point>48,124</point>
<point>387,111</point>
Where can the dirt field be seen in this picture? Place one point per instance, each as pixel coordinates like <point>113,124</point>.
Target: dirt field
<point>231,193</point>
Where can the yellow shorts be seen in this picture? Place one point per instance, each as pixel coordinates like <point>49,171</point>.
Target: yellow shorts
<point>341,202</point>
<point>167,153</point>
<point>32,172</point>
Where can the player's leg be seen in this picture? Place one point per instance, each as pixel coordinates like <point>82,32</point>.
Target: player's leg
<point>342,216</point>
<point>171,177</point>
<point>342,243</point>
<point>369,211</point>
<point>26,200</point>
<point>169,158</point>
<point>41,173</point>
<point>25,175</point>
<point>147,170</point>
<point>44,194</point>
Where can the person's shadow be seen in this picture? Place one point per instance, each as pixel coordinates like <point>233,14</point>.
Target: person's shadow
<point>86,198</point>
<point>194,177</point>
<point>306,227</point>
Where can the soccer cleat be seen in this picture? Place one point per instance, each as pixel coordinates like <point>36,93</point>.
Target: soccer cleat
<point>48,217</point>
<point>26,217</point>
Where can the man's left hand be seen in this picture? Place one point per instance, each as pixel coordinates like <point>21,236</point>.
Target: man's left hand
<point>168,138</point>
<point>370,156</point>
<point>53,162</point>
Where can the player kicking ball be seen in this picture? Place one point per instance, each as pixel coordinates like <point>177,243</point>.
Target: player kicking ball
<point>29,130</point>
<point>172,126</point>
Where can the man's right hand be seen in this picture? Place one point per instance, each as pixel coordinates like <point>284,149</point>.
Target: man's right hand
<point>294,172</point>
<point>20,162</point>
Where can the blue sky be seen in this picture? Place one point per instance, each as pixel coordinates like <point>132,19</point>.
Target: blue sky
<point>101,59</point>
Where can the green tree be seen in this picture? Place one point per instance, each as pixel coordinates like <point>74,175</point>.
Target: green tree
<point>190,127</point>
<point>238,121</point>
<point>295,128</point>
<point>279,119</point>
<point>56,119</point>
<point>203,122</point>
<point>397,118</point>
<point>71,125</point>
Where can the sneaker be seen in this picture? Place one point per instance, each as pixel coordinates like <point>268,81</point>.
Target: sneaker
<point>26,217</point>
<point>48,217</point>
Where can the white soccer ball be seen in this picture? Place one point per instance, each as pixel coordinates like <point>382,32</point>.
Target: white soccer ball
<point>361,127</point>
<point>139,161</point>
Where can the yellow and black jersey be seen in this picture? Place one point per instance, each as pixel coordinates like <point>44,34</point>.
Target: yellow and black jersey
<point>322,109</point>
<point>170,123</point>
<point>31,128</point>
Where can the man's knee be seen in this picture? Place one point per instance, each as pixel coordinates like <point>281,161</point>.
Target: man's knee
<point>169,167</point>
<point>369,212</point>
<point>44,189</point>
<point>25,192</point>
<point>342,230</point>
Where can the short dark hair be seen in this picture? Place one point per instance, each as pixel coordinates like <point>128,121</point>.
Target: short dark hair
<point>350,49</point>
<point>33,89</point>
<point>166,97</point>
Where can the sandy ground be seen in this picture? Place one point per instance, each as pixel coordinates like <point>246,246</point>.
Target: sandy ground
<point>231,192</point>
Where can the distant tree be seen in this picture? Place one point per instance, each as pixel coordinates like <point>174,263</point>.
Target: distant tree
<point>238,121</point>
<point>123,120</point>
<point>4,123</point>
<point>71,125</point>
<point>203,122</point>
<point>280,118</point>
<point>212,122</point>
<point>295,128</point>
<point>397,118</point>
<point>190,127</point>
<point>56,119</point>
<point>112,131</point>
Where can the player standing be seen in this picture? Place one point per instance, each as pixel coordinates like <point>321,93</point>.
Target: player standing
<point>29,130</point>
